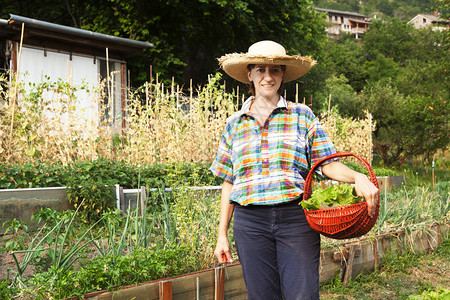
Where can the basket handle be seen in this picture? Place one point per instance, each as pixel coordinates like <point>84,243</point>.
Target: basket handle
<point>307,189</point>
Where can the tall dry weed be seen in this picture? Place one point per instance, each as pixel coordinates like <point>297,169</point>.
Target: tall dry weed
<point>162,125</point>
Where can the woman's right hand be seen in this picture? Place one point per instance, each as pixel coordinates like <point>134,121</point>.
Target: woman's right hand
<point>222,251</point>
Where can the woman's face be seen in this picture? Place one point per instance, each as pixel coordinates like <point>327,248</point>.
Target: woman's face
<point>267,79</point>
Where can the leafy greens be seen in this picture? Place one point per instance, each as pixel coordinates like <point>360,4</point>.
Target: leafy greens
<point>333,196</point>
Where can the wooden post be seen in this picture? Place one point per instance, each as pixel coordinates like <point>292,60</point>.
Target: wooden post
<point>329,105</point>
<point>191,94</point>
<point>172,90</point>
<point>107,76</point>
<point>165,290</point>
<point>146,95</point>
<point>432,173</point>
<point>15,87</point>
<point>178,97</point>
<point>237,97</point>
<point>296,92</point>
<point>129,80</point>
<point>375,254</point>
<point>123,98</point>
<point>219,283</point>
<point>349,265</point>
<point>122,198</point>
<point>143,200</point>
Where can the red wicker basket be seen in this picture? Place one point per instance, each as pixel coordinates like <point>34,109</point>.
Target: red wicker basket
<point>342,222</point>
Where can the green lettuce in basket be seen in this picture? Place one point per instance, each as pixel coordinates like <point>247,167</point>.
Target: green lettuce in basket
<point>333,196</point>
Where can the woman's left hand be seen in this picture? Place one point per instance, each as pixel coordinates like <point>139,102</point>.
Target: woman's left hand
<point>364,187</point>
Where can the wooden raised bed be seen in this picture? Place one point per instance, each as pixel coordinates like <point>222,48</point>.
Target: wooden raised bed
<point>351,259</point>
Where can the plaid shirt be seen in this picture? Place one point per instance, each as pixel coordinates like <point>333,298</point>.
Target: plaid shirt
<point>268,164</point>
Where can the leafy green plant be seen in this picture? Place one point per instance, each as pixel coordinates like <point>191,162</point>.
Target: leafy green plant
<point>7,291</point>
<point>197,214</point>
<point>92,197</point>
<point>19,235</point>
<point>333,196</point>
<point>112,271</point>
<point>436,294</point>
<point>54,242</point>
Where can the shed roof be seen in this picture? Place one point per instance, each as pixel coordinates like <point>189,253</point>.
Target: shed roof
<point>54,36</point>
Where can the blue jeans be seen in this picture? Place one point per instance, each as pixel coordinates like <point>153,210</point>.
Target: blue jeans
<point>278,251</point>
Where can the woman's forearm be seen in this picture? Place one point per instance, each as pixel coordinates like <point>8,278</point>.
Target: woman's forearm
<point>340,172</point>
<point>226,209</point>
<point>222,250</point>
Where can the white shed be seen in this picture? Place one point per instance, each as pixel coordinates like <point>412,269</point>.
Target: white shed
<point>62,52</point>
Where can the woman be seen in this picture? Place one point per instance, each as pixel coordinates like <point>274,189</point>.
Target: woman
<point>264,156</point>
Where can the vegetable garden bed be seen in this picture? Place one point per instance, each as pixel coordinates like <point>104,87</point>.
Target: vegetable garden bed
<point>349,260</point>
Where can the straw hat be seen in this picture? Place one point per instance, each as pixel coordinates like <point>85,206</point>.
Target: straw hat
<point>265,52</point>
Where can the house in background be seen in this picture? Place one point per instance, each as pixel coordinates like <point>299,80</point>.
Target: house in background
<point>51,52</point>
<point>345,21</point>
<point>434,20</point>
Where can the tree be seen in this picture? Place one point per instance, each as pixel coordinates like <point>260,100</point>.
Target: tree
<point>381,69</point>
<point>392,38</point>
<point>443,7</point>
<point>346,5</point>
<point>428,128</point>
<point>387,106</point>
<point>341,96</point>
<point>346,57</point>
<point>188,35</point>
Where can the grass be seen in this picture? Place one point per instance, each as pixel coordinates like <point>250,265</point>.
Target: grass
<point>400,276</point>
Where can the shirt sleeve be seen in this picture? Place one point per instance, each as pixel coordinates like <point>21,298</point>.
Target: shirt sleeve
<point>222,165</point>
<point>320,145</point>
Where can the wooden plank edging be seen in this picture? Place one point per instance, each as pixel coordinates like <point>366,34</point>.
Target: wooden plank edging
<point>353,258</point>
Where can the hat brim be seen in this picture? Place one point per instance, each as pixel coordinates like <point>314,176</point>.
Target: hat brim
<point>235,65</point>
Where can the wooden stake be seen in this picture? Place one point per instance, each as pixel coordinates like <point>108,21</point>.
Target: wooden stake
<point>296,92</point>
<point>349,265</point>
<point>329,103</point>
<point>172,90</point>
<point>178,97</point>
<point>129,79</point>
<point>219,284</point>
<point>165,290</point>
<point>375,254</point>
<point>143,200</point>
<point>107,74</point>
<point>146,95</point>
<point>15,87</point>
<point>151,79</point>
<point>191,93</point>
<point>237,97</point>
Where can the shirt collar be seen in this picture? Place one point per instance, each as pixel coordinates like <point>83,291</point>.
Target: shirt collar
<point>245,109</point>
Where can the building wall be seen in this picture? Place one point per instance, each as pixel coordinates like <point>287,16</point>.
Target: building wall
<point>38,65</point>
<point>353,24</point>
